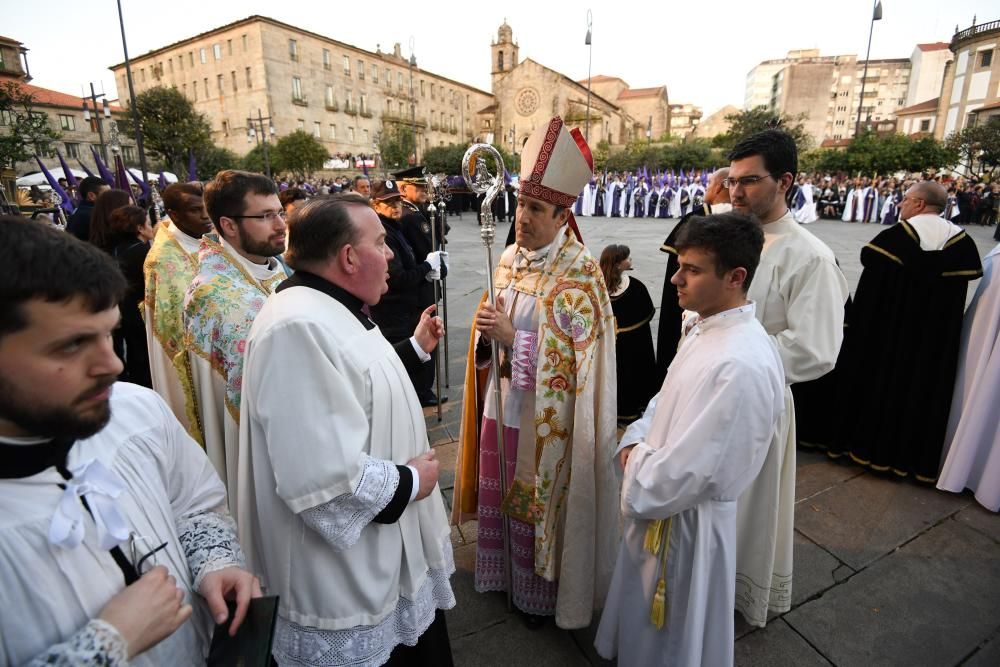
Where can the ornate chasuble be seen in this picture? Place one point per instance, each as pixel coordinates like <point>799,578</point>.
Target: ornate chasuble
<point>219,310</point>
<point>575,367</point>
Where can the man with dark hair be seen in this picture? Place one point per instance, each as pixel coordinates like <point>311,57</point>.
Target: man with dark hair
<point>292,198</point>
<point>169,268</point>
<point>338,483</point>
<point>668,335</point>
<point>235,275</point>
<point>903,341</point>
<point>362,186</point>
<point>113,518</point>
<point>79,223</point>
<point>799,294</point>
<point>707,438</point>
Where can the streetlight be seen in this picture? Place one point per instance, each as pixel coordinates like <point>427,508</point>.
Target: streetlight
<point>97,116</point>
<point>131,95</point>
<point>590,54</point>
<point>252,124</point>
<point>876,16</point>
<point>413,102</point>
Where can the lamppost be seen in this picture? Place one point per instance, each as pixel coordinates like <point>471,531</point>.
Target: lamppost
<point>413,102</point>
<point>590,54</point>
<point>876,16</point>
<point>97,116</point>
<point>252,134</point>
<point>131,95</point>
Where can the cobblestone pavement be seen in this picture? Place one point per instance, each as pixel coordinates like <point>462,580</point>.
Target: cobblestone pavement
<point>886,572</point>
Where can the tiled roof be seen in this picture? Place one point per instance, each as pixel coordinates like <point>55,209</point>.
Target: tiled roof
<point>640,92</point>
<point>929,105</point>
<point>933,46</point>
<point>52,98</point>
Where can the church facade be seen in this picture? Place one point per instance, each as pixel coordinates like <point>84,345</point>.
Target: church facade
<point>526,94</point>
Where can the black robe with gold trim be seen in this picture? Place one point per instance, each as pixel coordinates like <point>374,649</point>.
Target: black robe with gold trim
<point>898,360</point>
<point>633,311</point>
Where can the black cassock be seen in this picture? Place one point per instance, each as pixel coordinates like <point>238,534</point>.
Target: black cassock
<point>634,310</point>
<point>897,365</point>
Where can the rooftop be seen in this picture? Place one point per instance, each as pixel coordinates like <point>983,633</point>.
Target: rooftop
<point>933,46</point>
<point>641,92</point>
<point>929,105</point>
<point>52,98</point>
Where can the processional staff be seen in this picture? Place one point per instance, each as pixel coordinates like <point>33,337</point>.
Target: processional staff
<point>475,171</point>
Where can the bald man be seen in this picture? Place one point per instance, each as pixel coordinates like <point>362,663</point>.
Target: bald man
<point>669,333</point>
<point>900,353</point>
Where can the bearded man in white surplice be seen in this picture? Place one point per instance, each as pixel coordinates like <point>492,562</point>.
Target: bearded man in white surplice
<point>672,593</point>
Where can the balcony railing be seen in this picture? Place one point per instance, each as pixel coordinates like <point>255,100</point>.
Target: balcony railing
<point>973,31</point>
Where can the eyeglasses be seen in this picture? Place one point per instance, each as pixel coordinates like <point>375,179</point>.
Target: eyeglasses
<point>911,199</point>
<point>270,216</point>
<point>745,181</point>
<point>143,552</point>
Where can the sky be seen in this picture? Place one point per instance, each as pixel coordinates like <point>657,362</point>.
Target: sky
<point>701,51</point>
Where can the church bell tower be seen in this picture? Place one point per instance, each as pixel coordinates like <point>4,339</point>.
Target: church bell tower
<point>503,52</point>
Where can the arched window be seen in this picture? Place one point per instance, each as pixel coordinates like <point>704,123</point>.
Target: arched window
<point>500,61</point>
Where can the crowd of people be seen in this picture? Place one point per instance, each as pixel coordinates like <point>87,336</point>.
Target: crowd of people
<point>256,422</point>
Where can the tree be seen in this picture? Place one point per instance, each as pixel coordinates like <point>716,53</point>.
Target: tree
<point>254,160</point>
<point>395,145</point>
<point>170,127</point>
<point>444,159</point>
<point>977,148</point>
<point>28,131</point>
<point>871,154</point>
<point>212,159</point>
<point>300,153</point>
<point>746,123</point>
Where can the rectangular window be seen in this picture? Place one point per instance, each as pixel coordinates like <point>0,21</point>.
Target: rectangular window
<point>348,100</point>
<point>184,89</point>
<point>180,62</point>
<point>399,80</point>
<point>234,80</point>
<point>361,70</point>
<point>316,129</point>
<point>194,87</point>
<point>925,125</point>
<point>432,91</point>
<point>142,74</point>
<point>422,91</point>
<point>205,81</point>
<point>67,122</point>
<point>244,42</point>
<point>72,150</point>
<point>128,152</point>
<point>366,137</point>
<point>347,65</point>
<point>388,78</point>
<point>327,63</point>
<point>229,46</point>
<point>301,124</point>
<point>388,107</point>
<point>225,128</point>
<point>986,58</point>
<point>217,51</point>
<point>202,56</point>
<point>374,73</point>
<point>293,50</point>
<point>329,100</point>
<point>333,131</point>
<point>401,115</point>
<point>170,65</point>
<point>191,58</point>
<point>249,79</point>
<point>218,82</point>
<point>364,103</point>
<point>350,134</point>
<point>296,88</point>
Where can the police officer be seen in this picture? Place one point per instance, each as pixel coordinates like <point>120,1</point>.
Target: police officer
<point>410,270</point>
<point>416,226</point>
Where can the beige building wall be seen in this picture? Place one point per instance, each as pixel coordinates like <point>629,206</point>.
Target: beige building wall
<point>715,123</point>
<point>927,72</point>
<point>304,81</point>
<point>972,81</point>
<point>684,119</point>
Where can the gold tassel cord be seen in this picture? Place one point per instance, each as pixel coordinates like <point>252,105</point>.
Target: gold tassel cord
<point>655,544</point>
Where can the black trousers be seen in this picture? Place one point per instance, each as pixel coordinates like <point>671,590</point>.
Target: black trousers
<point>433,649</point>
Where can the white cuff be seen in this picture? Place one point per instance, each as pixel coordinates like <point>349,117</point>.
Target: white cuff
<point>416,483</point>
<point>423,356</point>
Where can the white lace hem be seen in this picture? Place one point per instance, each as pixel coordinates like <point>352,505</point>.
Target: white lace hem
<point>341,520</point>
<point>97,643</point>
<point>368,645</point>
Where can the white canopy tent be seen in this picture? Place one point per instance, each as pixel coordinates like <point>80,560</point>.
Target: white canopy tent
<point>38,178</point>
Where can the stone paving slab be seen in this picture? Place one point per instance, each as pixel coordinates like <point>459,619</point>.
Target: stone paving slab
<point>987,655</point>
<point>777,645</point>
<point>815,473</point>
<point>510,643</point>
<point>977,517</point>
<point>866,517</point>
<point>816,570</point>
<point>929,603</point>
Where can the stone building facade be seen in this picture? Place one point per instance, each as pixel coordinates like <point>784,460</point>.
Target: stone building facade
<point>295,79</point>
<point>970,92</point>
<point>65,113</point>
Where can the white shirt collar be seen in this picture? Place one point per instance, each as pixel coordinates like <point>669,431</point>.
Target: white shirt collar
<point>694,323</point>
<point>258,271</point>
